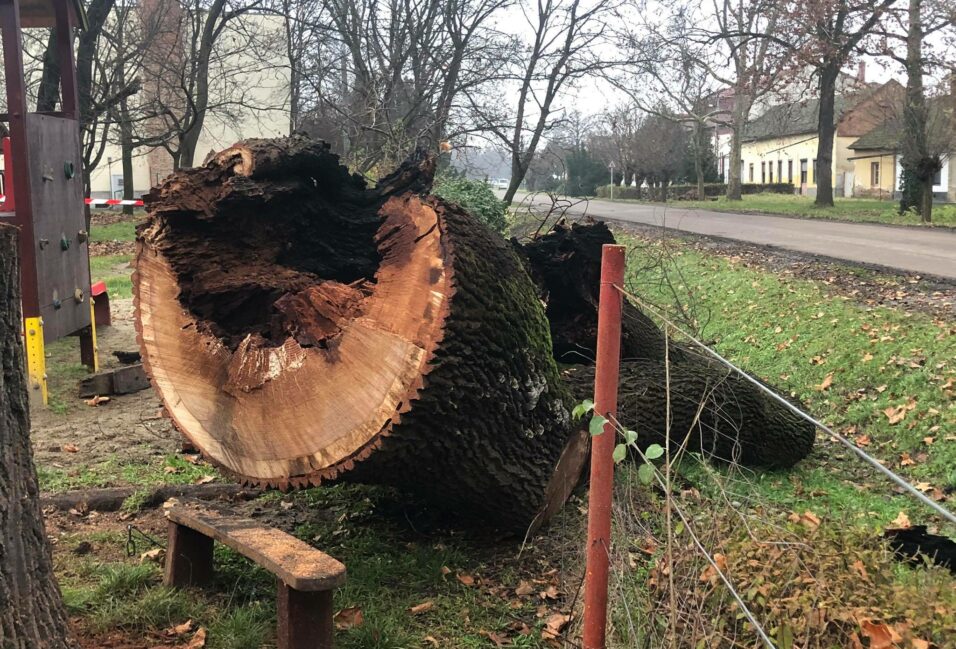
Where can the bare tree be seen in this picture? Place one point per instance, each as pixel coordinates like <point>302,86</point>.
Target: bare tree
<point>191,73</point>
<point>928,131</point>
<point>753,62</point>
<point>825,35</point>
<point>99,89</point>
<point>390,78</point>
<point>564,47</point>
<point>669,75</point>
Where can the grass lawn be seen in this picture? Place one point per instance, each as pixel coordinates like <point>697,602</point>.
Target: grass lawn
<point>879,375</point>
<point>115,271</point>
<point>119,231</point>
<point>845,209</point>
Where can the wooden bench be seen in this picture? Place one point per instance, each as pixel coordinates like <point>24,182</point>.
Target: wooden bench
<point>306,577</point>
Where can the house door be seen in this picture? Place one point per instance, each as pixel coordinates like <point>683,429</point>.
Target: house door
<point>803,176</point>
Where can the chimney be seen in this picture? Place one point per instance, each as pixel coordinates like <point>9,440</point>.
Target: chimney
<point>861,74</point>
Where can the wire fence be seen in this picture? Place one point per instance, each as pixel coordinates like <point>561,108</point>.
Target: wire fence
<point>685,623</point>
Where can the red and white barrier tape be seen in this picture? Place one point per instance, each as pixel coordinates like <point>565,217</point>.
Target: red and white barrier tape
<point>99,201</point>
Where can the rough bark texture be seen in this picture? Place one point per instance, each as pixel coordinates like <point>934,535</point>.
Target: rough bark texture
<point>302,328</point>
<point>31,610</point>
<point>736,421</point>
<point>826,130</point>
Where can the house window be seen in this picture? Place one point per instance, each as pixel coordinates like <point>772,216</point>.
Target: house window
<point>790,171</point>
<point>770,170</point>
<point>751,172</point>
<point>779,171</point>
<point>763,172</point>
<point>938,176</point>
<point>816,174</point>
<point>803,172</point>
<point>874,174</point>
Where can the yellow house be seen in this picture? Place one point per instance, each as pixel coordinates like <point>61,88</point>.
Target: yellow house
<point>780,146</point>
<point>876,158</point>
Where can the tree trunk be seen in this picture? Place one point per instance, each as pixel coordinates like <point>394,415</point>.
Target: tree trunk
<point>48,92</point>
<point>740,114</point>
<point>826,128</point>
<point>302,328</point>
<point>926,200</point>
<point>31,609</point>
<point>699,136</point>
<point>737,422</point>
<point>918,162</point>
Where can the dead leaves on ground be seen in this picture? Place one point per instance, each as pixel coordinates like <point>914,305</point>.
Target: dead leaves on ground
<point>348,618</point>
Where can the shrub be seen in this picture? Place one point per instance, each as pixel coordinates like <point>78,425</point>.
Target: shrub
<point>475,196</point>
<point>689,192</point>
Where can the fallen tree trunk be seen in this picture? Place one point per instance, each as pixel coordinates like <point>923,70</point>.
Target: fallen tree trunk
<point>300,328</point>
<point>714,411</point>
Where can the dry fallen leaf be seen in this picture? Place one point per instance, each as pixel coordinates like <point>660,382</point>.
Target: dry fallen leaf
<point>445,570</point>
<point>860,569</point>
<point>901,521</point>
<point>156,554</point>
<point>497,638</point>
<point>71,448</point>
<point>348,618</point>
<point>524,588</point>
<point>97,400</point>
<point>199,640</point>
<point>906,460</point>
<point>551,592</point>
<point>421,608</point>
<point>179,629</point>
<point>919,643</point>
<point>710,573</point>
<point>467,580</point>
<point>827,382</point>
<point>432,641</point>
<point>206,479</point>
<point>880,634</point>
<point>555,624</point>
<point>807,519</point>
<point>863,440</point>
<point>895,414</point>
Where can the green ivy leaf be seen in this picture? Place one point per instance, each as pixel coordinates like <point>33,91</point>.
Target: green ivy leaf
<point>654,451</point>
<point>620,452</point>
<point>630,437</point>
<point>596,427</point>
<point>645,473</point>
<point>679,528</point>
<point>582,409</point>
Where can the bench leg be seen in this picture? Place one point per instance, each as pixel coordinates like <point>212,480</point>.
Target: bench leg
<point>188,557</point>
<point>305,619</point>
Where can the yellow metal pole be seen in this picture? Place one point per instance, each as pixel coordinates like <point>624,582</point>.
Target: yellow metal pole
<point>36,356</point>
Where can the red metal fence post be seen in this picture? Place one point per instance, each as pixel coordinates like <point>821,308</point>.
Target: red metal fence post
<point>602,448</point>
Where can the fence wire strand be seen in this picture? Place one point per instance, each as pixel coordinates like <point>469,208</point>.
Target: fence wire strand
<point>860,453</point>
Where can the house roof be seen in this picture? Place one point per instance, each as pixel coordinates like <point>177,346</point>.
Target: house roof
<point>852,111</point>
<point>795,118</point>
<point>886,136</point>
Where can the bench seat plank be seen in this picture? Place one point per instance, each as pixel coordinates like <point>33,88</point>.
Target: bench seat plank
<point>296,563</point>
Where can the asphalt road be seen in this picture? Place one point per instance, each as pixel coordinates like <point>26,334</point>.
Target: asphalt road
<point>910,249</point>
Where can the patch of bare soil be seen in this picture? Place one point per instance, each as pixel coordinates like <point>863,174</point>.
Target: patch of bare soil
<point>112,215</point>
<point>128,428</point>
<point>868,285</point>
<point>104,248</point>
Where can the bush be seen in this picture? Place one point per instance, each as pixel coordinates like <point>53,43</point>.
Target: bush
<point>475,196</point>
<point>689,192</point>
